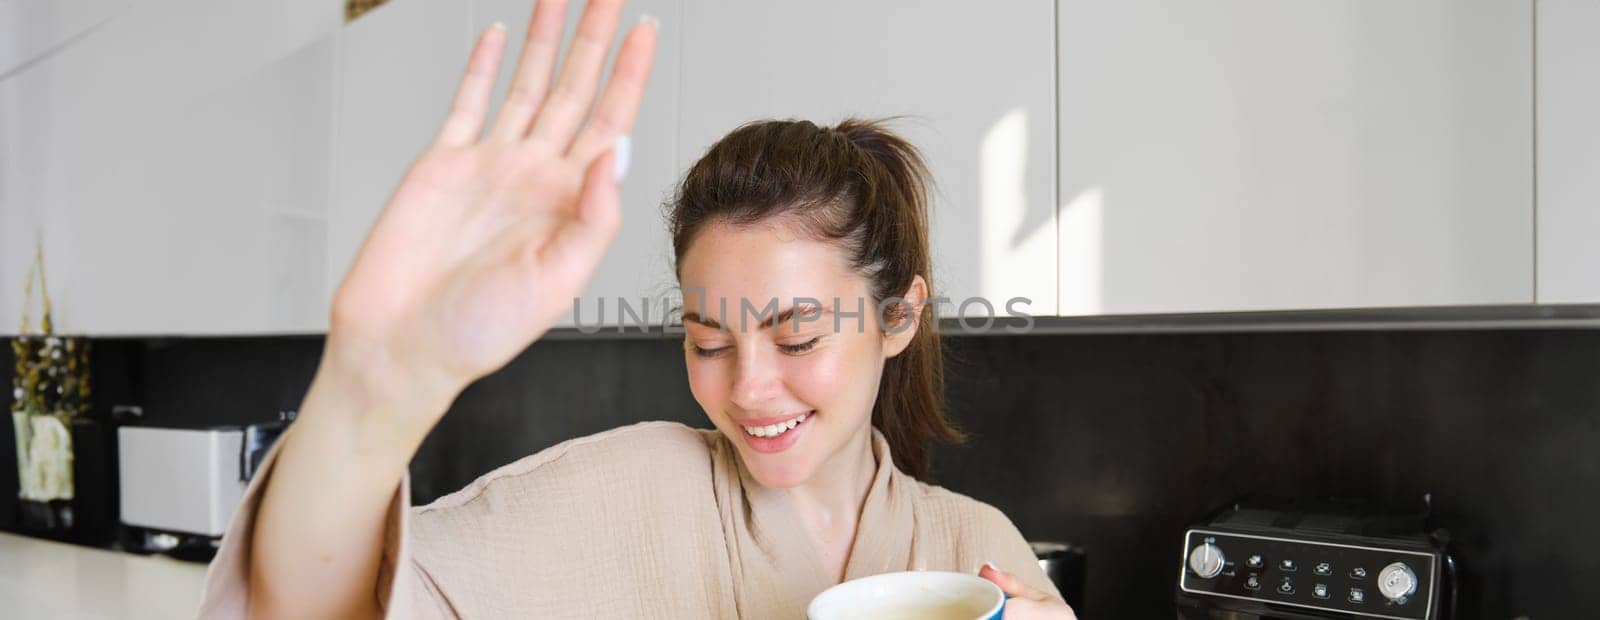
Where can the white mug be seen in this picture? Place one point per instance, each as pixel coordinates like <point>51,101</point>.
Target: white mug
<point>934,595</point>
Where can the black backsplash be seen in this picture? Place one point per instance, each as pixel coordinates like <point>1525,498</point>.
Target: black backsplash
<point>1112,442</point>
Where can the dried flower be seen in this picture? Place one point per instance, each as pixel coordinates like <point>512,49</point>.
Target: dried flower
<point>51,374</point>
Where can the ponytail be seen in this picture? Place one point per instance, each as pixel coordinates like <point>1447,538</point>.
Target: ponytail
<point>910,407</point>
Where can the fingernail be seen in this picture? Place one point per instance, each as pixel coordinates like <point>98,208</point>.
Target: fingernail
<point>498,25</point>
<point>647,18</point>
<point>993,567</point>
<point>621,153</point>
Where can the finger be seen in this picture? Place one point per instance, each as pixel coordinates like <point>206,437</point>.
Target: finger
<point>1010,584</point>
<point>471,103</point>
<point>532,77</point>
<point>575,250</point>
<point>619,105</point>
<point>559,116</point>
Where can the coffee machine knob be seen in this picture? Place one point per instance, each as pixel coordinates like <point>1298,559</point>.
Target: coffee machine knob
<point>1396,582</point>
<point>1206,560</point>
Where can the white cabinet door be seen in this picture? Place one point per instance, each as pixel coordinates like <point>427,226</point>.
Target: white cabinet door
<point>20,217</point>
<point>1569,151</point>
<point>399,66</point>
<point>185,39</point>
<point>638,264</point>
<point>175,161</point>
<point>973,79</point>
<point>215,219</point>
<point>33,29</point>
<point>1237,155</point>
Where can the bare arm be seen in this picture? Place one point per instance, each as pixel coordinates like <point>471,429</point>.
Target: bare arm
<point>480,250</point>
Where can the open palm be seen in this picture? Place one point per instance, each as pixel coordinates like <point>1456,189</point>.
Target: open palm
<point>491,234</point>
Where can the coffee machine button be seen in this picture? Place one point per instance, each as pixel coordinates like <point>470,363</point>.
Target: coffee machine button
<point>1255,561</point>
<point>1320,590</point>
<point>1323,568</point>
<point>1253,582</point>
<point>1357,595</point>
<point>1396,582</point>
<point>1287,566</point>
<point>1287,587</point>
<point>1358,573</point>
<point>1206,560</point>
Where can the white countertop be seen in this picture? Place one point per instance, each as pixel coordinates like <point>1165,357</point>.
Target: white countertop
<point>46,579</point>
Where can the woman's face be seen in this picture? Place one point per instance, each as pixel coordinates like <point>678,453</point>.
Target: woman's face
<point>794,393</point>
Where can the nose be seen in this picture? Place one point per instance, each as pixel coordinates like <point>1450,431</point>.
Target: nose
<point>757,381</point>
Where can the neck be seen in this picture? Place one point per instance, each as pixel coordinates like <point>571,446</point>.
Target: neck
<point>834,495</point>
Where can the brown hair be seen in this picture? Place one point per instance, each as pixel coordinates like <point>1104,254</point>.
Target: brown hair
<point>864,188</point>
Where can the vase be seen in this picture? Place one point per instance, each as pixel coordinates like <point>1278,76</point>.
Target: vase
<point>44,472</point>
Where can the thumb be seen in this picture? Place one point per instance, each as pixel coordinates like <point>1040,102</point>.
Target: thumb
<point>581,241</point>
<point>600,203</point>
<point>1009,583</point>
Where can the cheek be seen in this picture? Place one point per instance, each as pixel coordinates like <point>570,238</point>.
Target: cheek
<point>709,381</point>
<point>841,377</point>
<point>814,379</point>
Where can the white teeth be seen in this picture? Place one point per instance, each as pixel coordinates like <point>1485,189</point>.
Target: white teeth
<point>773,430</point>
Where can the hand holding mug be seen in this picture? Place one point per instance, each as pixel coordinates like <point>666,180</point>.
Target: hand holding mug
<point>1026,603</point>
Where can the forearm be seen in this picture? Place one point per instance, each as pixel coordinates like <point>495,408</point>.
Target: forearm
<point>473,258</point>
<point>319,531</point>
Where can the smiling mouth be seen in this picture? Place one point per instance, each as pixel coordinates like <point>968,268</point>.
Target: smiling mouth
<point>777,429</point>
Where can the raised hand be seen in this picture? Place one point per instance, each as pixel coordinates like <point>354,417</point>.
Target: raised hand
<point>482,247</point>
<point>491,234</point>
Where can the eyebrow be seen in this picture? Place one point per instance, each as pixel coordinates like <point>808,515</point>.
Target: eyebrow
<point>807,309</point>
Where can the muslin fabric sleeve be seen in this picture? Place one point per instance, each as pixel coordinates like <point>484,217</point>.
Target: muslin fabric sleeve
<point>1014,555</point>
<point>402,590</point>
<point>956,532</point>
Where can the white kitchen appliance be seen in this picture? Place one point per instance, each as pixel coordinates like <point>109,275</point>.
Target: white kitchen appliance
<point>180,480</point>
<point>184,483</point>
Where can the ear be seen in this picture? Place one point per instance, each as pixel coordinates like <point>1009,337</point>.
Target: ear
<point>898,336</point>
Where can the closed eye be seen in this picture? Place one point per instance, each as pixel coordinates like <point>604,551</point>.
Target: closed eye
<point>796,349</point>
<point>708,353</point>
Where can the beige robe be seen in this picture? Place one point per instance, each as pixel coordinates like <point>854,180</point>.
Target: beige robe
<point>655,520</point>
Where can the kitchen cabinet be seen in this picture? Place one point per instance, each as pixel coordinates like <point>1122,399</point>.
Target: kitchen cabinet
<point>1568,96</point>
<point>175,160</point>
<point>972,80</point>
<point>1237,155</point>
<point>32,28</point>
<point>18,221</point>
<point>212,167</point>
<point>191,42</point>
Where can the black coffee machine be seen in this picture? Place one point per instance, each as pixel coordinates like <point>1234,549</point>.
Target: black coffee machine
<point>1315,560</point>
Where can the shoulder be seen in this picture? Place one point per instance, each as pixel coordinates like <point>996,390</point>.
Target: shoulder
<point>970,532</point>
<point>623,454</point>
<point>962,517</point>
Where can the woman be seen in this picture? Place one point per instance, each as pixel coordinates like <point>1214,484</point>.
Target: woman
<point>822,417</point>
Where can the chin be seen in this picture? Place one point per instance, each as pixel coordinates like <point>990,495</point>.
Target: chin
<point>776,471</point>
